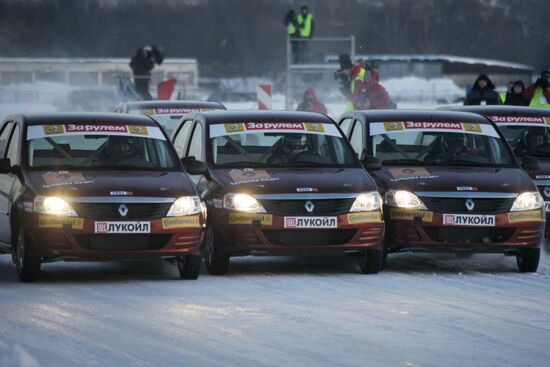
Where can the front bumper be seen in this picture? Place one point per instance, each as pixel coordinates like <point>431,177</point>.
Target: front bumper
<point>243,233</point>
<point>420,230</point>
<point>64,238</point>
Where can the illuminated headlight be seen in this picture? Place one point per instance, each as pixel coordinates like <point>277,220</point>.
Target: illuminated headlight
<point>243,203</point>
<point>186,205</point>
<point>367,202</point>
<point>404,199</point>
<point>527,201</point>
<point>53,205</point>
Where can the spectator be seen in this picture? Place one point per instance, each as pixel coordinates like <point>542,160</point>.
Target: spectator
<point>373,94</point>
<point>538,94</point>
<point>515,96</point>
<point>310,103</point>
<point>141,64</point>
<point>306,27</point>
<point>504,95</point>
<point>292,30</point>
<point>483,92</point>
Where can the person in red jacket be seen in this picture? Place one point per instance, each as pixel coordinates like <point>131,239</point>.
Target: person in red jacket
<point>372,95</point>
<point>539,93</point>
<point>310,103</point>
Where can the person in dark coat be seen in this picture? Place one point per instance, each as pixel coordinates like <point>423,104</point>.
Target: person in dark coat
<point>310,103</point>
<point>483,92</point>
<point>142,63</point>
<point>515,96</point>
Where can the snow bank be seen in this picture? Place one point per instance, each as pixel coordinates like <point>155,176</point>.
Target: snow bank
<point>423,91</point>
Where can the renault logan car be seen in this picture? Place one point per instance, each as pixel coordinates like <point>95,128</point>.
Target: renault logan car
<point>527,130</point>
<point>450,183</point>
<point>94,187</point>
<point>167,113</point>
<point>280,183</point>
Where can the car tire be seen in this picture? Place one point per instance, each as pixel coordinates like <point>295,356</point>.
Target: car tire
<point>189,266</point>
<point>28,266</point>
<point>370,261</point>
<point>528,260</point>
<point>217,262</point>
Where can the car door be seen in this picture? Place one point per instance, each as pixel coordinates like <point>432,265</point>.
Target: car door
<point>9,141</point>
<point>195,148</point>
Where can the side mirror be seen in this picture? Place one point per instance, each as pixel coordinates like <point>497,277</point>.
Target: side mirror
<point>5,166</point>
<point>372,163</point>
<point>194,167</point>
<point>530,163</point>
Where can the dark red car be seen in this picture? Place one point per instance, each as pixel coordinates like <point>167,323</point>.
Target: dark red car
<point>450,183</point>
<point>167,113</point>
<point>280,183</point>
<point>95,187</point>
<point>527,130</point>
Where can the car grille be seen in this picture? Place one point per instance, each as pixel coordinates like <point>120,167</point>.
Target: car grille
<point>297,207</point>
<point>541,191</point>
<point>310,237</point>
<point>110,210</point>
<point>122,241</point>
<point>454,205</point>
<point>469,234</point>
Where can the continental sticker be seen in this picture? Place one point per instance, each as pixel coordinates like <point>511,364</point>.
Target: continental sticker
<point>50,221</point>
<point>367,217</point>
<point>249,175</point>
<point>64,178</point>
<point>181,222</point>
<point>245,218</point>
<point>528,216</point>
<point>406,214</point>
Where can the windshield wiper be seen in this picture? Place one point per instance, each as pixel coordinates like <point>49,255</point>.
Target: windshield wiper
<point>404,160</point>
<point>243,164</point>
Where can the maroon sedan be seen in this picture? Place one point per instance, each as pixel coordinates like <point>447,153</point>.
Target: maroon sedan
<point>95,187</point>
<point>450,183</point>
<point>280,183</point>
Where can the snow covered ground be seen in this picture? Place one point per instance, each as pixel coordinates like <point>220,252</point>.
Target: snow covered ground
<point>423,310</point>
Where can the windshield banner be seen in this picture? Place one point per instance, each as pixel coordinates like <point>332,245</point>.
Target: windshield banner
<point>521,120</point>
<point>378,128</point>
<point>273,127</point>
<point>49,131</point>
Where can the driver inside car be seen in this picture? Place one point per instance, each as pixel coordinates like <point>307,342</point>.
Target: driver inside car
<point>122,150</point>
<point>451,147</point>
<point>534,138</point>
<point>290,148</point>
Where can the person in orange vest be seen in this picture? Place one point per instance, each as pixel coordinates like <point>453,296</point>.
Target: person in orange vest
<point>539,93</point>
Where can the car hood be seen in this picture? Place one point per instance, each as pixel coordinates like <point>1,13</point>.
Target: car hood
<point>430,178</point>
<point>107,183</point>
<point>543,173</point>
<point>294,180</point>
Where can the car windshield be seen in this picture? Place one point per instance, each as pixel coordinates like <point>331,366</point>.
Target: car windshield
<point>438,143</point>
<point>81,146</point>
<point>526,135</point>
<point>279,144</point>
<point>168,122</point>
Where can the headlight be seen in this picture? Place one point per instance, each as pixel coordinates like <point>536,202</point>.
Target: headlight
<point>527,201</point>
<point>404,199</point>
<point>367,202</point>
<point>53,205</point>
<point>186,205</point>
<point>243,203</point>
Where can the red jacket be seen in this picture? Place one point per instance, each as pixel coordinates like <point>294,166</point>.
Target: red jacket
<point>310,103</point>
<point>367,94</point>
<point>528,93</point>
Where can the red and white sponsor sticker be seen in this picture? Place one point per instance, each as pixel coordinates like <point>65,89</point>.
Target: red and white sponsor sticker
<point>282,127</point>
<point>469,220</point>
<point>379,128</point>
<point>122,227</point>
<point>311,222</point>
<point>53,130</point>
<point>521,120</point>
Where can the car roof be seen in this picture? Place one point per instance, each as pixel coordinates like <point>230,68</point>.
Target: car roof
<point>419,115</point>
<point>82,118</point>
<point>172,104</point>
<point>217,117</point>
<point>502,110</point>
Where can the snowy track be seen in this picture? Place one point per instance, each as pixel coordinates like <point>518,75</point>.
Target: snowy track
<point>423,310</point>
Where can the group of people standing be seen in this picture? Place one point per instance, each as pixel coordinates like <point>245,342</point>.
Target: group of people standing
<point>536,95</point>
<point>300,28</point>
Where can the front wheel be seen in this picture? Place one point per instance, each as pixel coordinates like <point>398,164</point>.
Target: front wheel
<point>370,261</point>
<point>528,260</point>
<point>217,262</point>
<point>189,266</point>
<point>28,266</point>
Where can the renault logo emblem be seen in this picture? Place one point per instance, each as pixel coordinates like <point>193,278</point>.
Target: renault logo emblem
<point>470,204</point>
<point>309,206</point>
<point>547,192</point>
<point>123,210</point>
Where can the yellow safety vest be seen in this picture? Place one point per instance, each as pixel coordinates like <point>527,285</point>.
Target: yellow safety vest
<point>503,97</point>
<point>539,100</point>
<point>305,25</point>
<point>359,77</point>
<point>291,29</point>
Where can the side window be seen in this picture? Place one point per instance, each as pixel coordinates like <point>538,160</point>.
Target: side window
<point>345,126</point>
<point>4,136</point>
<point>356,138</point>
<point>13,146</point>
<point>181,137</point>
<point>195,145</point>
